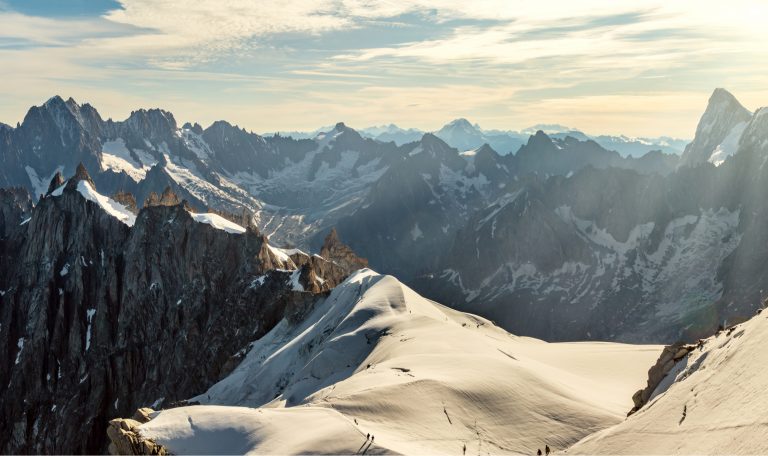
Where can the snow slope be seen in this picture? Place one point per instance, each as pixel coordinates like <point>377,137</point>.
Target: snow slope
<point>375,357</point>
<point>109,205</point>
<point>218,222</point>
<point>717,403</point>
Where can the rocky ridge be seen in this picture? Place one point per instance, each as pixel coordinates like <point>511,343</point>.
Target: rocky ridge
<point>102,314</point>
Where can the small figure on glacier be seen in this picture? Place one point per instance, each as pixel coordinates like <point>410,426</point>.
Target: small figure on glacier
<point>546,449</point>
<point>538,452</point>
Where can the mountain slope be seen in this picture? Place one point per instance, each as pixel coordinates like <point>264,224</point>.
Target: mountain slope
<point>718,131</point>
<point>103,309</point>
<point>712,402</point>
<point>376,358</point>
<point>612,253</point>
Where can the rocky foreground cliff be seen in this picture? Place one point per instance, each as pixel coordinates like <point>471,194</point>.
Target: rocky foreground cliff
<point>104,309</point>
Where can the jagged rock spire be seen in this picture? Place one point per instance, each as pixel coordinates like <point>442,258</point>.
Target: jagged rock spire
<point>128,200</point>
<point>81,174</point>
<point>167,198</point>
<point>57,181</point>
<point>334,250</point>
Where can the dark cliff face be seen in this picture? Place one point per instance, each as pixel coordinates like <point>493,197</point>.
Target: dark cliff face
<point>15,207</point>
<point>93,310</point>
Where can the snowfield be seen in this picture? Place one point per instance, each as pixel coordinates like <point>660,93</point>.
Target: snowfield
<point>376,358</point>
<point>712,403</point>
<point>218,222</point>
<point>109,205</point>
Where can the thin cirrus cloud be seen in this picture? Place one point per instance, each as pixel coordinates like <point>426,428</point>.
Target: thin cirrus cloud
<point>505,63</point>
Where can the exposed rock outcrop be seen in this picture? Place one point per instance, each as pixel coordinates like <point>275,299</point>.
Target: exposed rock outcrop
<point>81,174</point>
<point>125,438</point>
<point>15,207</point>
<point>334,250</point>
<point>167,198</point>
<point>664,365</point>
<point>56,182</point>
<point>127,200</point>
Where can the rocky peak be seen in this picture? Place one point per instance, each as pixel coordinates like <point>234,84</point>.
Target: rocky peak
<point>62,118</point>
<point>341,132</point>
<point>196,128</point>
<point>336,251</point>
<point>540,139</point>
<point>167,198</point>
<point>724,117</point>
<point>459,124</point>
<point>722,97</point>
<point>224,129</point>
<point>56,182</point>
<point>152,124</point>
<point>81,174</point>
<point>128,200</point>
<point>485,149</point>
<point>756,131</point>
<point>432,143</point>
<point>56,102</point>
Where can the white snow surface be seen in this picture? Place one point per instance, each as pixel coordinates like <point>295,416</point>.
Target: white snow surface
<point>729,146</point>
<point>375,357</point>
<point>715,405</point>
<point>218,222</point>
<point>116,156</point>
<point>110,206</point>
<point>40,183</point>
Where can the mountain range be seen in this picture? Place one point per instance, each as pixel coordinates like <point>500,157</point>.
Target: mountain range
<point>145,264</point>
<point>563,223</point>
<point>464,135</point>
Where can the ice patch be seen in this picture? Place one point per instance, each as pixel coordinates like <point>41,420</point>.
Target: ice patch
<point>729,146</point>
<point>218,222</point>
<point>40,184</point>
<point>258,281</point>
<point>115,156</point>
<point>20,345</point>
<point>89,315</point>
<point>295,283</point>
<point>416,232</point>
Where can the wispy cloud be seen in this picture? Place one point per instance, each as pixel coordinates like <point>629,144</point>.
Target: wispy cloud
<point>293,63</point>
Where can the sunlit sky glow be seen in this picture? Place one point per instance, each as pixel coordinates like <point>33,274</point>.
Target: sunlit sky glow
<point>643,68</point>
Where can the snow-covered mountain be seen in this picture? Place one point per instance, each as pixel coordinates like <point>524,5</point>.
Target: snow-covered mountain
<point>626,146</point>
<point>711,402</point>
<point>429,212</point>
<point>375,358</point>
<point>615,254</point>
<point>414,211</point>
<point>719,130</point>
<point>391,132</point>
<point>464,135</point>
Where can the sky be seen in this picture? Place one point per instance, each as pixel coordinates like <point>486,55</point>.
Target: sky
<point>640,68</point>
